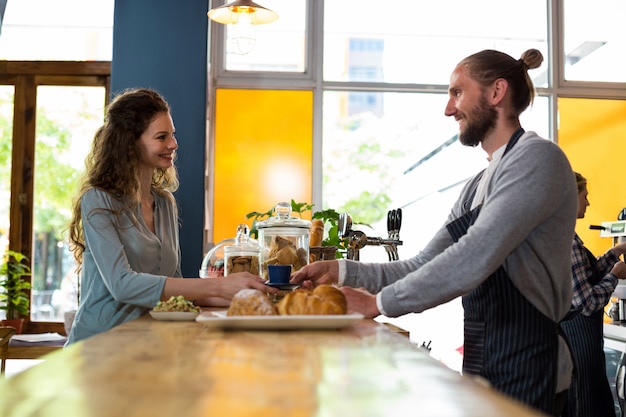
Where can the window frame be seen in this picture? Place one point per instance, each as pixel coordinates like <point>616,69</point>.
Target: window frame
<point>219,78</point>
<point>26,76</point>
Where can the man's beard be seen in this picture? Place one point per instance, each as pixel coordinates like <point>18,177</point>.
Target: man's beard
<point>480,121</point>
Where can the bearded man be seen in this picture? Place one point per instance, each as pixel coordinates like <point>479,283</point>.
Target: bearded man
<point>505,247</point>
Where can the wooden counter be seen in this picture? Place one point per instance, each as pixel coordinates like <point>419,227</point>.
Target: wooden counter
<point>182,369</point>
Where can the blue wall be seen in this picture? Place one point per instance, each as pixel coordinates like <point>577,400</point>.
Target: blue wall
<point>162,44</point>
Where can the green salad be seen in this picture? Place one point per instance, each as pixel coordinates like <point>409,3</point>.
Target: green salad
<point>176,303</point>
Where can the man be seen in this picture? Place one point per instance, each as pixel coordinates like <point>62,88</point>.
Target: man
<point>505,246</point>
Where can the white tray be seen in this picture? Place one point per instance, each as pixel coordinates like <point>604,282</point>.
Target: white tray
<point>218,319</point>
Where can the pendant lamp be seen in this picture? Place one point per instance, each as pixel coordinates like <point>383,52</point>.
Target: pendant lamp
<point>243,15</point>
<point>232,12</point>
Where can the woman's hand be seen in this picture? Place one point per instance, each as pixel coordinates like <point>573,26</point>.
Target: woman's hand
<point>233,283</point>
<point>619,249</point>
<point>619,270</point>
<point>361,301</point>
<point>316,273</point>
<point>227,287</point>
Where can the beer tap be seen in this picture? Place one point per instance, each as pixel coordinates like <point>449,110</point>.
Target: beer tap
<point>358,240</point>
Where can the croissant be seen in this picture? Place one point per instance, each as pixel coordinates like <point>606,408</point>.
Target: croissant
<point>251,302</point>
<point>333,298</point>
<point>325,299</point>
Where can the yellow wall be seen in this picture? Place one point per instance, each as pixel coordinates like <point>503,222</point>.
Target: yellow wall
<point>592,133</point>
<point>263,153</point>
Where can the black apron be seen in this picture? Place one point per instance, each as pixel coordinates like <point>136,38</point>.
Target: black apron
<point>590,395</point>
<point>506,339</point>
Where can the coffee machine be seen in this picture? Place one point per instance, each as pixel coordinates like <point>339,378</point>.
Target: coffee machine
<point>617,231</point>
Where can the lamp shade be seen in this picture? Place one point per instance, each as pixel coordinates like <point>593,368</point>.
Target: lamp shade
<point>230,13</point>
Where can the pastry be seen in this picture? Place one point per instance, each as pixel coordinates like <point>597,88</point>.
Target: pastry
<point>324,300</point>
<point>251,302</point>
<point>239,263</point>
<point>334,300</point>
<point>284,252</point>
<point>316,233</point>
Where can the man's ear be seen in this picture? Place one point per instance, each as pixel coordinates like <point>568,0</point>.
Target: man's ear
<point>498,91</point>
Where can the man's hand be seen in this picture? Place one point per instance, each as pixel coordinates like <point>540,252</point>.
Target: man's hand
<point>361,301</point>
<point>316,273</point>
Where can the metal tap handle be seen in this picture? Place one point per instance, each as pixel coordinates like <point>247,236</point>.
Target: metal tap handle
<point>392,252</point>
<point>398,223</point>
<point>391,219</point>
<point>344,225</point>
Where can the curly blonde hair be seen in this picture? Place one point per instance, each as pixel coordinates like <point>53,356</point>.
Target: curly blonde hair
<point>581,182</point>
<point>112,162</point>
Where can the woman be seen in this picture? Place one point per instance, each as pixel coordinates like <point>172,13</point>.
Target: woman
<point>594,280</point>
<point>124,230</point>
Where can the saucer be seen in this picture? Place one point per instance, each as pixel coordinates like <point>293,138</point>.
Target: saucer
<point>284,287</point>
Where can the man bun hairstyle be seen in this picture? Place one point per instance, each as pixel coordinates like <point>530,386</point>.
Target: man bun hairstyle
<point>488,65</point>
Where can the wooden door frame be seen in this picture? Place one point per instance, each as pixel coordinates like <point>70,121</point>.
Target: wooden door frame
<point>26,76</point>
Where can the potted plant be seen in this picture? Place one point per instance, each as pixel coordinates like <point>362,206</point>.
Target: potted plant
<point>14,297</point>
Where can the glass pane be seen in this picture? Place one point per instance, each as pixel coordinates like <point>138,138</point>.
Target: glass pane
<point>60,30</point>
<point>383,151</point>
<point>279,45</point>
<point>6,140</point>
<point>595,40</point>
<point>537,117</point>
<point>67,118</point>
<point>421,42</point>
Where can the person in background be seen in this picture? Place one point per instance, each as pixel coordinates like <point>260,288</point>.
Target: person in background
<point>505,247</point>
<point>594,280</point>
<point>124,227</point>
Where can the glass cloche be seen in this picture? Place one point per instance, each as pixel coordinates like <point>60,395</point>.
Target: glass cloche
<point>241,249</point>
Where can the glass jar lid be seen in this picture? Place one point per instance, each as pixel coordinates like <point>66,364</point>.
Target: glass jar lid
<point>282,218</point>
<point>243,243</point>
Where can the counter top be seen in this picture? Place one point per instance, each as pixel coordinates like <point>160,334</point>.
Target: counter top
<point>616,330</point>
<point>178,369</point>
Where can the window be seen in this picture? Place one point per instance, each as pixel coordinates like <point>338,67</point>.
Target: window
<point>594,41</point>
<point>277,47</point>
<point>7,92</point>
<point>397,148</point>
<point>379,73</point>
<point>67,117</point>
<point>43,157</point>
<point>59,30</point>
<point>421,42</point>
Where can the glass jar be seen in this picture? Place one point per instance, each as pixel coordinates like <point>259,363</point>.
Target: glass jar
<point>284,240</point>
<point>243,255</point>
<point>214,262</point>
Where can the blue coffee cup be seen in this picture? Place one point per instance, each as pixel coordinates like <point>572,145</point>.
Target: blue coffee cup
<point>279,274</point>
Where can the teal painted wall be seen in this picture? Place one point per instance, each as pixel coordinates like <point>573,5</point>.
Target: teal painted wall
<point>162,44</point>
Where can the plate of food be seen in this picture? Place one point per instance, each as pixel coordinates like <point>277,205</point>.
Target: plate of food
<point>220,319</point>
<point>174,315</point>
<point>177,308</point>
<point>323,308</point>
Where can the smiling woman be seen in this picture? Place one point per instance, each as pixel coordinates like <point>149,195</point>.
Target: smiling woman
<point>124,227</point>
